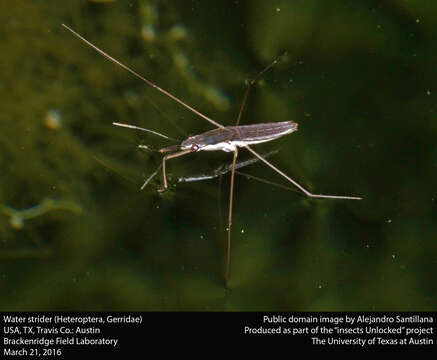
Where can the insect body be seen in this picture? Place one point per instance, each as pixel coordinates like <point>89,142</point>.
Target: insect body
<point>230,137</point>
<point>227,139</point>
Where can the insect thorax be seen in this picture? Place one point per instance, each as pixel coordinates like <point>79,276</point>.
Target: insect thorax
<point>217,139</point>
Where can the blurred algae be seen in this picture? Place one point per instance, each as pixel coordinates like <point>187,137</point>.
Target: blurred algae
<point>17,217</point>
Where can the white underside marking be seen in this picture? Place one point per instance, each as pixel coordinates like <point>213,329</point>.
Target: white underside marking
<point>224,146</point>
<point>231,145</point>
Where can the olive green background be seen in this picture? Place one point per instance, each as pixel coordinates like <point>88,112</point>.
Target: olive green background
<point>358,77</point>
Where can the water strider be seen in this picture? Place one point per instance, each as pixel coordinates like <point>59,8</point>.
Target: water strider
<point>225,138</point>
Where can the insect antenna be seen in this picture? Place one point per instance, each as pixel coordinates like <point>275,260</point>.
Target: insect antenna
<point>145,130</point>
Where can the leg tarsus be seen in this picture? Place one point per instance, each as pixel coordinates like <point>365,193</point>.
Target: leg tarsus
<point>300,187</point>
<point>250,83</point>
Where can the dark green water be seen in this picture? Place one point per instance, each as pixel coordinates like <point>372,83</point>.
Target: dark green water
<point>358,77</point>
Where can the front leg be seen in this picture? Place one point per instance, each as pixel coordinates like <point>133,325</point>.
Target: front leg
<point>167,157</point>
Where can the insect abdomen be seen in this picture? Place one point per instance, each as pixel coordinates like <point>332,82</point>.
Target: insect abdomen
<point>252,134</point>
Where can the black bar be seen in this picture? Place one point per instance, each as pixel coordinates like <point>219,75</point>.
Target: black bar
<point>66,334</point>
